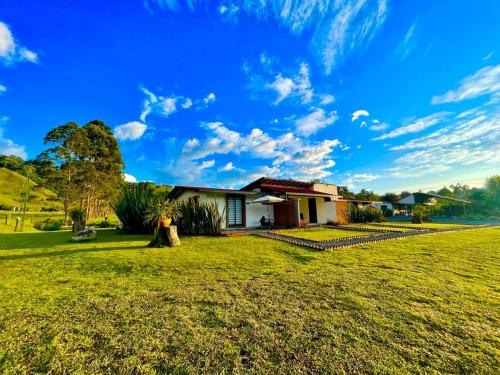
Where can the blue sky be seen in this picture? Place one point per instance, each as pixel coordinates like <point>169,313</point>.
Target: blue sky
<point>385,95</point>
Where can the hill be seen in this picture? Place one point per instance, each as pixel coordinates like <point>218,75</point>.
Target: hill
<point>11,184</point>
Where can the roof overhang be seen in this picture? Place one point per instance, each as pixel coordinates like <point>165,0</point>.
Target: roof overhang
<point>178,190</point>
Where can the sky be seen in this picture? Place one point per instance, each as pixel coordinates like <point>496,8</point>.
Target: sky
<point>384,95</point>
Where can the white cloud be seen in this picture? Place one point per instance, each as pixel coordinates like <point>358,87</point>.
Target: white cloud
<point>229,12</point>
<point>314,121</point>
<point>227,167</point>
<point>165,106</point>
<point>353,179</point>
<point>485,81</point>
<point>408,43</point>
<point>10,50</point>
<point>378,127</point>
<point>483,128</point>
<point>326,99</point>
<point>489,55</point>
<point>130,131</point>
<point>2,89</point>
<point>296,86</point>
<point>416,125</point>
<point>288,155</point>
<point>343,28</point>
<point>129,178</point>
<point>337,28</point>
<point>188,103</point>
<point>472,142</point>
<point>210,98</point>
<point>357,114</point>
<point>7,146</point>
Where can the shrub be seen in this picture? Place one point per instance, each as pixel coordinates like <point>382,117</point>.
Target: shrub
<point>366,214</point>
<point>131,209</point>
<point>49,225</point>
<point>421,213</point>
<point>199,218</point>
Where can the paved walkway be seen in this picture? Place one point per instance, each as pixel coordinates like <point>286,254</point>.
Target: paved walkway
<point>354,241</point>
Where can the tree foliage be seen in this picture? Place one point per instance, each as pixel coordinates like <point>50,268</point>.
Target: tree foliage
<point>83,165</point>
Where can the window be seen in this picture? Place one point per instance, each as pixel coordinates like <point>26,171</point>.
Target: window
<point>235,211</point>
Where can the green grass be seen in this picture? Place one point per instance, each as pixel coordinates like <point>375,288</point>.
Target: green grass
<point>320,234</point>
<point>389,229</point>
<point>428,304</point>
<point>428,225</point>
<point>11,184</point>
<point>34,217</point>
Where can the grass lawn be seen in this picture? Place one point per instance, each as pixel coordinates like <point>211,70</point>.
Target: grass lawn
<point>389,229</point>
<point>247,304</point>
<point>428,225</point>
<point>320,234</point>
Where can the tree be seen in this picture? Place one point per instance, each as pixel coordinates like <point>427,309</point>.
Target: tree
<point>85,165</point>
<point>344,192</point>
<point>492,194</point>
<point>404,194</point>
<point>390,197</point>
<point>445,192</point>
<point>367,195</point>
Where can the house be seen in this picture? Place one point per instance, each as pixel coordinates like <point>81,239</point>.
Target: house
<point>315,203</point>
<point>360,203</point>
<point>404,205</point>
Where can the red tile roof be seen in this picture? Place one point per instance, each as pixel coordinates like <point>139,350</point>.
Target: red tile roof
<point>292,190</point>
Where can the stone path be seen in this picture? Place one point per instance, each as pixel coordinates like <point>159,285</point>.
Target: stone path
<point>360,240</point>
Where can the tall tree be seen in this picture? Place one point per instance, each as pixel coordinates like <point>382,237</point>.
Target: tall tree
<point>86,164</point>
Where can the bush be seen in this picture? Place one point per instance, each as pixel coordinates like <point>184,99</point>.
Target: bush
<point>366,214</point>
<point>49,209</point>
<point>131,209</point>
<point>420,213</point>
<point>49,225</point>
<point>199,218</point>
<point>104,224</point>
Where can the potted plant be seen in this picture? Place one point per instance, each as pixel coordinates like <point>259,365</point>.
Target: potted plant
<point>160,213</point>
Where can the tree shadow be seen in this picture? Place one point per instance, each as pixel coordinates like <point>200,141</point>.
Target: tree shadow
<point>68,252</point>
<point>34,240</point>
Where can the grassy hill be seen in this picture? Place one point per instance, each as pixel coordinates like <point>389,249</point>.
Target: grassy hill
<point>11,184</point>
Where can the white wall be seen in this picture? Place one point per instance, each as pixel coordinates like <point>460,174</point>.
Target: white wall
<point>254,211</point>
<point>326,211</point>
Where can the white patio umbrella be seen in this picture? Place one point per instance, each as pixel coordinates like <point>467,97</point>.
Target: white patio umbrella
<point>268,200</point>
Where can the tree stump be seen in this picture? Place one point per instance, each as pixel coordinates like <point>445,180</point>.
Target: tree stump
<point>165,236</point>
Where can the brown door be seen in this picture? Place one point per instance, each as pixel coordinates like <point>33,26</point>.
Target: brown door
<point>286,214</point>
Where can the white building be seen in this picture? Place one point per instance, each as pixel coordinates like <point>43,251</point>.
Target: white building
<point>304,202</point>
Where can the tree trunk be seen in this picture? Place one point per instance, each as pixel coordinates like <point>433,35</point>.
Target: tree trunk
<point>165,237</point>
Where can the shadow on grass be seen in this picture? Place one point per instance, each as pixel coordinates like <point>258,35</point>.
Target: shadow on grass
<point>63,253</point>
<point>34,240</point>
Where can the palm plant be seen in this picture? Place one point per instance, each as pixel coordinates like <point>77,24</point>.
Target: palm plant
<point>158,210</point>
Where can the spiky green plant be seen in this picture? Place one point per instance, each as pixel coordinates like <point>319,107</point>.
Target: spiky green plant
<point>161,208</point>
<point>200,218</point>
<point>131,209</point>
